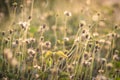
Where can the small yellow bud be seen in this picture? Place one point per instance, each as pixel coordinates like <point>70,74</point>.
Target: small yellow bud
<point>48,54</point>
<point>61,54</point>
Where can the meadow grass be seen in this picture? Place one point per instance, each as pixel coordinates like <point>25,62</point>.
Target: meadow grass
<point>63,46</point>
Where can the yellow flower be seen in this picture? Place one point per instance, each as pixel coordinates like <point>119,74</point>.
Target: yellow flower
<point>48,54</point>
<point>61,54</point>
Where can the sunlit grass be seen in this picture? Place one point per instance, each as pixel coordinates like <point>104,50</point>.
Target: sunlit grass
<point>60,45</point>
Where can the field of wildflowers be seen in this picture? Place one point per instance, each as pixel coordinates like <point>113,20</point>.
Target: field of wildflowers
<point>60,40</point>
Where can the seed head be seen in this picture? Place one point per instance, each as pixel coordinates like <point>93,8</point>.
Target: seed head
<point>82,23</point>
<point>21,6</point>
<point>109,65</point>
<point>31,52</point>
<point>14,4</point>
<point>67,13</point>
<point>41,38</point>
<point>47,44</point>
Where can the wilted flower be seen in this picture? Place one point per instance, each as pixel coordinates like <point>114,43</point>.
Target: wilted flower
<point>41,38</point>
<point>103,60</point>
<point>47,44</point>
<point>24,25</point>
<point>85,36</point>
<point>31,52</point>
<point>43,28</point>
<point>67,13</point>
<point>82,23</point>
